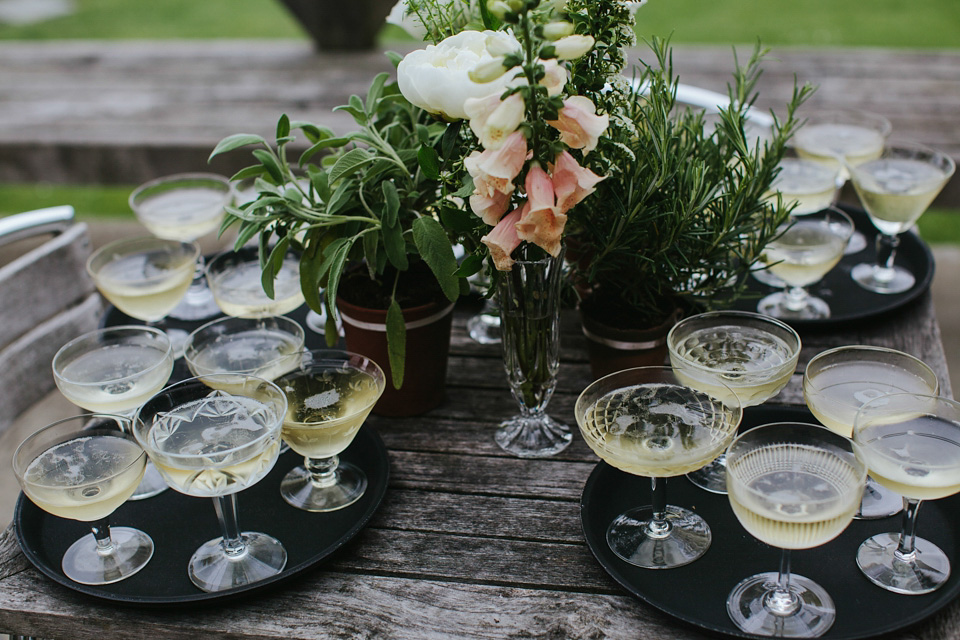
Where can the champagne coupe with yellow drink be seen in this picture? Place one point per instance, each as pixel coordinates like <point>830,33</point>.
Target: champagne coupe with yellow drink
<point>242,290</point>
<point>895,189</point>
<point>185,206</point>
<point>805,250</point>
<point>145,278</point>
<point>840,139</point>
<point>647,422</point>
<point>792,486</point>
<point>911,444</point>
<point>722,353</point>
<point>210,443</point>
<point>837,382</point>
<point>83,468</point>
<point>263,347</point>
<point>115,370</point>
<point>329,397</point>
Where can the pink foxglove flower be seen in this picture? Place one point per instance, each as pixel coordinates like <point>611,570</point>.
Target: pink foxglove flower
<point>493,120</point>
<point>490,208</point>
<point>571,182</point>
<point>541,223</point>
<point>503,239</point>
<point>555,77</point>
<point>579,125</point>
<point>494,169</point>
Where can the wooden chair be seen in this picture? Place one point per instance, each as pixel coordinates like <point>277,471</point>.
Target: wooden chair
<point>46,299</point>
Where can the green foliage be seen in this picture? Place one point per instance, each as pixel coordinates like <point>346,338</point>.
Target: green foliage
<point>683,213</point>
<point>370,199</point>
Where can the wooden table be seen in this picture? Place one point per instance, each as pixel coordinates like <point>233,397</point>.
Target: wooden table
<point>469,543</point>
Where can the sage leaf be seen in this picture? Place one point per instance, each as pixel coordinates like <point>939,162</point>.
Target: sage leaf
<point>350,162</point>
<point>435,248</point>
<point>270,163</point>
<point>470,265</point>
<point>376,89</point>
<point>391,204</point>
<point>235,141</point>
<point>396,343</point>
<point>283,127</point>
<point>429,162</point>
<point>325,143</point>
<point>395,246</point>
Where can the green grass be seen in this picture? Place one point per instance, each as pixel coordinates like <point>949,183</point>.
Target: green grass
<point>880,23</point>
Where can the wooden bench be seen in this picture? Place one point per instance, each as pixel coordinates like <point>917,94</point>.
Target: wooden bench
<point>126,112</point>
<point>47,299</point>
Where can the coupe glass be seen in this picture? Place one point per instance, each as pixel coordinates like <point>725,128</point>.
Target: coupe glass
<point>837,382</point>
<point>895,189</point>
<point>145,278</point>
<point>235,278</point>
<point>809,186</point>
<point>210,443</point>
<point>83,468</point>
<point>807,248</point>
<point>263,347</point>
<point>329,398</point>
<point>792,486</point>
<point>841,139</point>
<point>646,422</point>
<point>116,370</point>
<point>724,353</point>
<point>911,443</point>
<point>185,206</point>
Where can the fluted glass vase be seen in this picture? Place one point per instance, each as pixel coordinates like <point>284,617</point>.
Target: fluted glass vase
<point>530,335</point>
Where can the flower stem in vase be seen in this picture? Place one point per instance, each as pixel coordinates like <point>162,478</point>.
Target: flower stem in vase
<point>530,320</point>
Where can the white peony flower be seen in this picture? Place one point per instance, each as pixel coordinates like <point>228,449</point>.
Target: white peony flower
<point>436,78</point>
<point>402,17</point>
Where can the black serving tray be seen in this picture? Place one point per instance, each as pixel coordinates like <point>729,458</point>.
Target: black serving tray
<point>179,524</point>
<point>697,593</point>
<point>849,301</point>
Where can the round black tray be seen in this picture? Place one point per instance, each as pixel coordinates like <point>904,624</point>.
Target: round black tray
<point>849,301</point>
<point>179,524</point>
<point>697,593</point>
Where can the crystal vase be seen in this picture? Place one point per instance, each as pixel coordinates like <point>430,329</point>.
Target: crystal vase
<point>530,334</point>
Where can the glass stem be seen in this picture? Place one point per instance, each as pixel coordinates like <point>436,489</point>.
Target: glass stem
<point>323,471</point>
<point>226,507</point>
<point>908,532</point>
<point>659,526</point>
<point>886,252</point>
<point>101,533</point>
<point>781,601</point>
<point>796,298</point>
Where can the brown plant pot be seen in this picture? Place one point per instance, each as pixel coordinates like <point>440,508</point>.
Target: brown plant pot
<point>613,348</point>
<point>428,345</point>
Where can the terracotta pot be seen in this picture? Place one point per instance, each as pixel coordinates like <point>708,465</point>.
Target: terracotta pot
<point>428,345</point>
<point>613,348</point>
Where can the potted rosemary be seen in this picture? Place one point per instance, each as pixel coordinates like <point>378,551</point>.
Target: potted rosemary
<point>683,214</point>
<point>360,207</point>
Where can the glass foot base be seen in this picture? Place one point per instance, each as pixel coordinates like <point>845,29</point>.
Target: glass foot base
<point>778,305</point>
<point>484,328</point>
<point>927,572</point>
<point>533,436</point>
<point>151,485</point>
<point>298,489</point>
<point>812,616</point>
<point>132,551</point>
<point>880,280</point>
<point>856,244</point>
<point>630,537</point>
<point>713,477</point>
<point>211,569</point>
<point>878,502</point>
